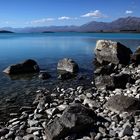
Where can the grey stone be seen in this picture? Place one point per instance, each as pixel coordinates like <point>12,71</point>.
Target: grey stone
<point>121,103</point>
<point>68,65</point>
<point>18,138</point>
<point>112,52</point>
<point>127,130</point>
<point>76,118</point>
<point>33,129</point>
<point>30,137</point>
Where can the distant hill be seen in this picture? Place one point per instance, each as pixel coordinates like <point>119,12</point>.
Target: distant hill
<point>5,31</point>
<point>127,24</point>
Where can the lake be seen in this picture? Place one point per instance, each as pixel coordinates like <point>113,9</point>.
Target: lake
<point>47,49</point>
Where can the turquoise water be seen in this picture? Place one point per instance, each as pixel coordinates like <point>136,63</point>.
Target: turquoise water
<point>47,49</point>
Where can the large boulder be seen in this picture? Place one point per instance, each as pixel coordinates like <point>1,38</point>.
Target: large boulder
<point>121,103</point>
<point>28,66</point>
<point>107,51</point>
<point>111,82</point>
<point>135,58</point>
<point>75,119</point>
<point>68,65</point>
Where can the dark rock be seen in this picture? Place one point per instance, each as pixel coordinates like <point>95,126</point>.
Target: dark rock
<point>44,75</point>
<point>112,52</point>
<point>63,75</point>
<point>105,69</point>
<point>111,82</point>
<point>126,131</point>
<point>120,80</point>
<point>135,58</point>
<point>75,119</point>
<point>28,66</point>
<point>68,65</point>
<point>121,103</point>
<point>41,97</point>
<point>3,132</point>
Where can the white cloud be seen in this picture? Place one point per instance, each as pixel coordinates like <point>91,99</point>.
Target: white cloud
<point>41,21</point>
<point>64,18</point>
<point>95,14</point>
<point>128,12</point>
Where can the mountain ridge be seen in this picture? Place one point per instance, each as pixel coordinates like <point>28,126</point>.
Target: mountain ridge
<point>125,24</point>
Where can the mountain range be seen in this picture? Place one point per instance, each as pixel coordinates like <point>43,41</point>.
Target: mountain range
<point>127,24</point>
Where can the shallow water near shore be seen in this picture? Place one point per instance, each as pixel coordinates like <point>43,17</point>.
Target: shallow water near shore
<point>47,49</point>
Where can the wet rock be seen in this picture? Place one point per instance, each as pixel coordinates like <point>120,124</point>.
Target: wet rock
<point>63,75</point>
<point>68,65</point>
<point>121,103</point>
<point>3,132</point>
<point>112,52</point>
<point>28,66</point>
<point>76,118</point>
<point>44,75</point>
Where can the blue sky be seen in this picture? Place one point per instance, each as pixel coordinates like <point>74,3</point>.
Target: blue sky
<point>22,13</point>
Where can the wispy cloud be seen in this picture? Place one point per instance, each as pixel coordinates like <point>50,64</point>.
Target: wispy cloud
<point>64,18</point>
<point>94,14</point>
<point>41,21</point>
<point>128,12</point>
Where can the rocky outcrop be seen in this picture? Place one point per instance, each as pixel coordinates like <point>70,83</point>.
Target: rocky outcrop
<point>76,118</point>
<point>121,103</point>
<point>28,66</point>
<point>68,65</point>
<point>108,51</point>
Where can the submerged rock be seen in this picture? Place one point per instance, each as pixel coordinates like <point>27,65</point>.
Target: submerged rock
<point>68,65</point>
<point>121,103</point>
<point>75,119</point>
<point>63,75</point>
<point>28,66</point>
<point>44,75</point>
<point>112,52</point>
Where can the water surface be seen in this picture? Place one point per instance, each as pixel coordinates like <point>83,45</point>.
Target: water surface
<point>47,49</point>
